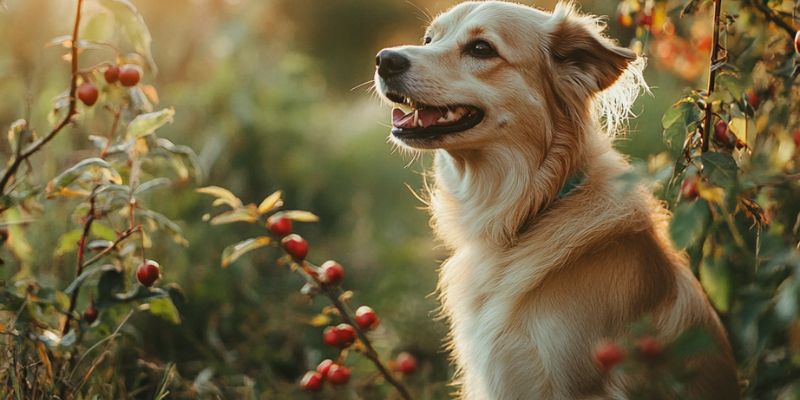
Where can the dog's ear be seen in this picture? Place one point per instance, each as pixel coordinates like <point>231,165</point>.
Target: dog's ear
<point>580,51</point>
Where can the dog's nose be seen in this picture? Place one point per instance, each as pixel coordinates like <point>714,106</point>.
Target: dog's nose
<point>391,63</point>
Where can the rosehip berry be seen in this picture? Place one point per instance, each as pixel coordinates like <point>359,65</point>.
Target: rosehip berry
<point>330,336</point>
<point>87,93</point>
<point>324,366</point>
<point>338,374</point>
<point>148,273</point>
<point>689,188</point>
<point>312,381</point>
<point>366,318</point>
<point>649,347</point>
<point>111,74</point>
<point>796,137</point>
<point>279,226</point>
<point>129,75</point>
<point>333,272</point>
<point>608,354</point>
<point>753,98</point>
<point>723,135</point>
<point>90,314</point>
<point>646,20</point>
<point>797,42</point>
<point>347,335</point>
<point>406,363</point>
<point>296,246</point>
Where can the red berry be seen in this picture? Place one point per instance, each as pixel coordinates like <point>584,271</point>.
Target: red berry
<point>330,336</point>
<point>797,42</point>
<point>312,381</point>
<point>366,318</point>
<point>649,347</point>
<point>90,314</point>
<point>333,272</point>
<point>689,188</point>
<point>723,135</point>
<point>608,354</point>
<point>406,363</point>
<point>796,137</point>
<point>347,335</point>
<point>111,74</point>
<point>279,226</point>
<point>646,20</point>
<point>296,246</point>
<point>148,273</point>
<point>753,98</point>
<point>324,366</point>
<point>338,374</point>
<point>129,75</point>
<point>87,93</point>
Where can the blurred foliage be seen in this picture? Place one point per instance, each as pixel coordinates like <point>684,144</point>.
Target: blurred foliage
<point>265,93</point>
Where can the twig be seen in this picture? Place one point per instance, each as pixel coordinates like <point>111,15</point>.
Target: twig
<point>712,76</point>
<point>773,17</point>
<point>87,226</point>
<point>122,236</point>
<point>71,111</point>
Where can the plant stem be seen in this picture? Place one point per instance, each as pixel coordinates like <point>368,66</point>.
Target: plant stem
<point>773,17</point>
<point>712,77</point>
<point>71,111</point>
<point>87,226</point>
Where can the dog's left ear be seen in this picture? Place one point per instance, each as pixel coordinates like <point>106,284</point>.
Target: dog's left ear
<point>580,51</point>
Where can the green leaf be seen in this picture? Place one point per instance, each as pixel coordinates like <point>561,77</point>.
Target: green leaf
<point>140,293</point>
<point>82,277</point>
<point>716,278</point>
<point>94,169</point>
<point>688,222</point>
<point>678,118</point>
<point>720,168</point>
<point>132,23</point>
<point>111,282</point>
<point>162,222</point>
<point>233,252</point>
<point>164,308</point>
<point>183,158</point>
<point>146,124</point>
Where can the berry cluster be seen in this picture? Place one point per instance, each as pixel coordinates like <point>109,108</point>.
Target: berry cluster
<point>127,75</point>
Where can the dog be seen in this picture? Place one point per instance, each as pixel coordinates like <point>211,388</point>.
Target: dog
<point>510,100</point>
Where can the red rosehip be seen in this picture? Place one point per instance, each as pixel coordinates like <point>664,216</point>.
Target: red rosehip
<point>723,135</point>
<point>111,74</point>
<point>129,75</point>
<point>330,336</point>
<point>753,98</point>
<point>649,347</point>
<point>88,93</point>
<point>338,374</point>
<point>608,354</point>
<point>689,188</point>
<point>347,334</point>
<point>312,381</point>
<point>148,273</point>
<point>279,226</point>
<point>797,42</point>
<point>296,246</point>
<point>646,20</point>
<point>406,363</point>
<point>324,366</point>
<point>366,318</point>
<point>796,137</point>
<point>332,272</point>
<point>90,314</point>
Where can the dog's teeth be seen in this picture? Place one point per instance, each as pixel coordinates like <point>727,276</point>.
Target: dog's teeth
<point>417,122</point>
<point>450,116</point>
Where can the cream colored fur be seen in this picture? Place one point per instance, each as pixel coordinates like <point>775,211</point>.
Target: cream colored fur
<point>534,282</point>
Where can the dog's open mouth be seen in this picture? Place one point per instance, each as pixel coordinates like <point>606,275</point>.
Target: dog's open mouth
<point>413,120</point>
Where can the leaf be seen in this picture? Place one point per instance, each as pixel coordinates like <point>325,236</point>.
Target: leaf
<point>320,320</point>
<point>146,124</point>
<point>132,23</point>
<point>270,203</point>
<point>709,193</point>
<point>678,119</point>
<point>720,168</point>
<point>249,215</point>
<point>688,222</point>
<point>716,280</point>
<point>91,168</point>
<point>164,308</point>
<point>234,251</point>
<point>151,184</point>
<point>299,216</point>
<point>111,281</point>
<point>162,222</point>
<point>82,277</point>
<point>140,293</point>
<point>224,196</point>
<point>183,158</point>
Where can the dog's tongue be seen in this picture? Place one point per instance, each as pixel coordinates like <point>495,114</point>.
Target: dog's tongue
<point>424,117</point>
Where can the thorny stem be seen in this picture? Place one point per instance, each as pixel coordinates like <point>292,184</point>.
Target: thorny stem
<point>712,77</point>
<point>71,111</point>
<point>368,350</point>
<point>87,226</point>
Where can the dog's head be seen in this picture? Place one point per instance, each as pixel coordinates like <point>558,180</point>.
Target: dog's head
<point>492,70</point>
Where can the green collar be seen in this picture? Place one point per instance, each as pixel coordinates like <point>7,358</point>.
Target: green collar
<point>572,182</point>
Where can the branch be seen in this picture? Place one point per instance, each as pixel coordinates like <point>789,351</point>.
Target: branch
<point>712,76</point>
<point>87,226</point>
<point>19,158</point>
<point>772,17</point>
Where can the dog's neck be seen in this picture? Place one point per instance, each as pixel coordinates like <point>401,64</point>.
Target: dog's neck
<point>495,194</point>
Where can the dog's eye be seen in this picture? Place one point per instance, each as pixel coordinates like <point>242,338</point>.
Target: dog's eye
<point>427,40</point>
<point>480,49</point>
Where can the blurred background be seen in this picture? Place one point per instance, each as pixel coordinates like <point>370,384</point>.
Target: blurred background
<point>274,94</point>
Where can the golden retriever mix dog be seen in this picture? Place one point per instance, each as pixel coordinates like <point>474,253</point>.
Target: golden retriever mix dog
<point>549,255</point>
